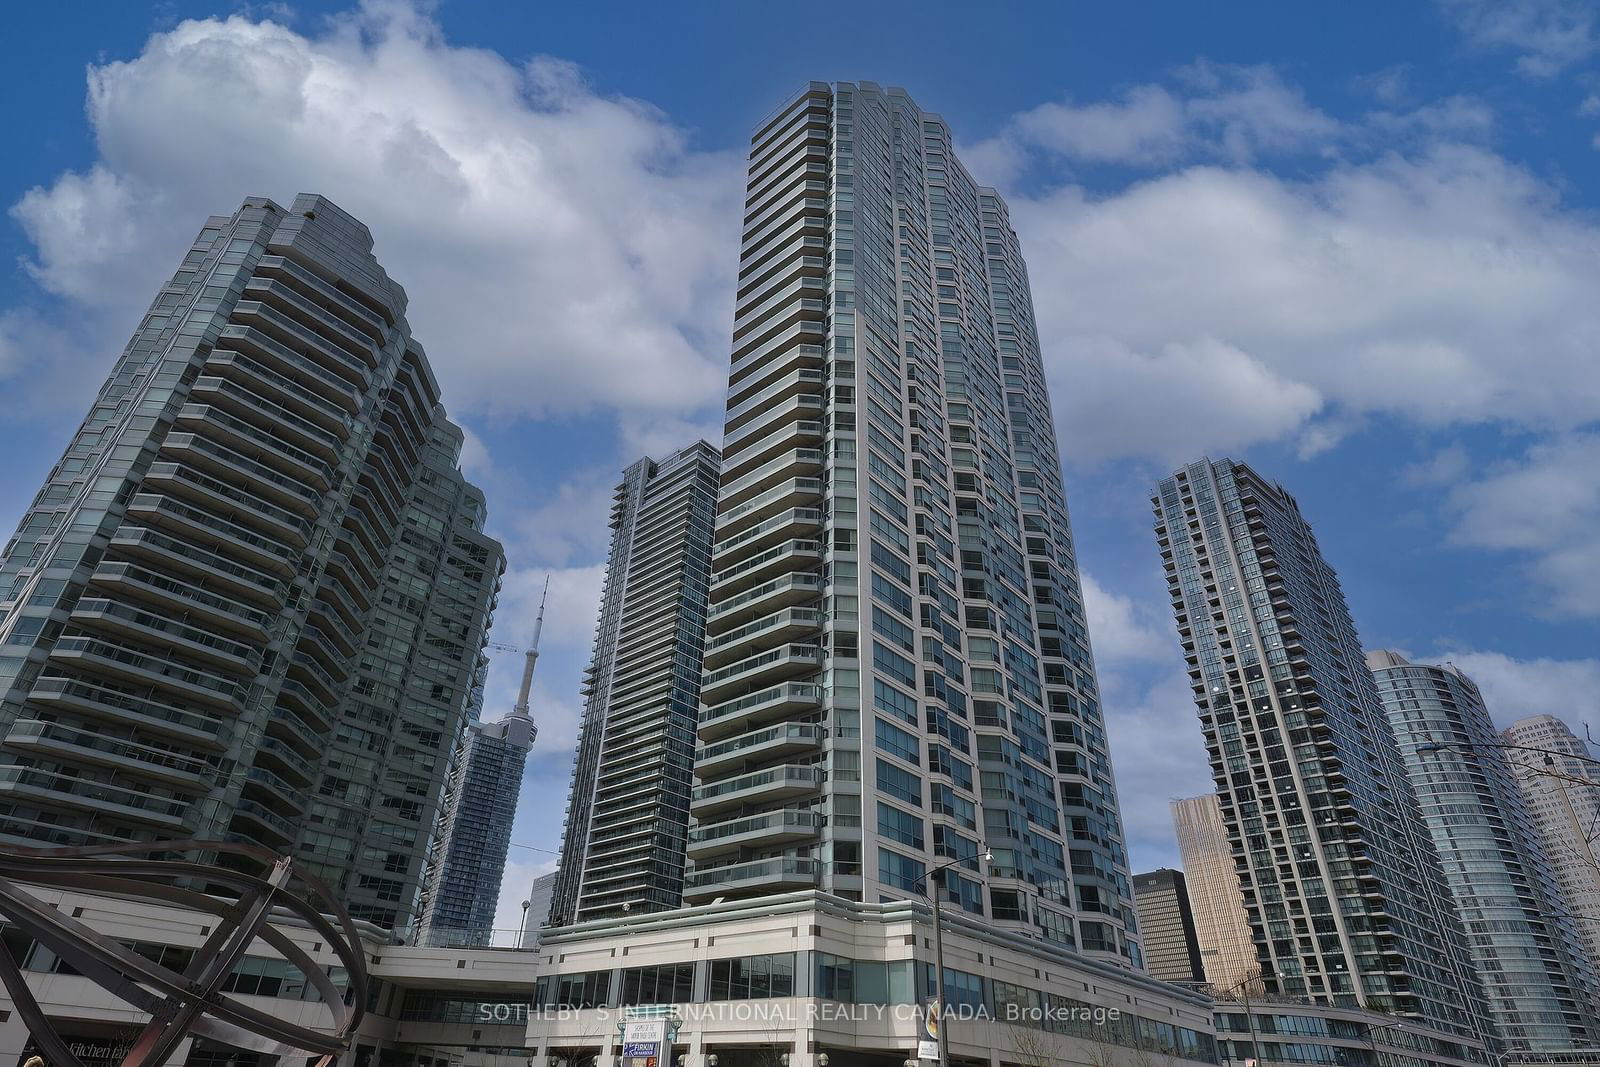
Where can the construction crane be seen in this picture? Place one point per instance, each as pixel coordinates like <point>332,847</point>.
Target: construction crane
<point>531,652</point>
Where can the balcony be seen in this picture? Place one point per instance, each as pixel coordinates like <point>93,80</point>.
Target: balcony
<point>239,469</point>
<point>769,705</point>
<point>767,533</point>
<point>349,310</point>
<point>276,752</point>
<point>221,611</point>
<point>187,558</point>
<point>332,660</point>
<point>56,739</point>
<point>274,784</point>
<point>127,707</point>
<point>769,596</point>
<point>310,344</point>
<point>236,366</point>
<point>61,790</point>
<point>303,369</point>
<point>798,492</point>
<point>803,291</point>
<point>806,406</point>
<point>789,556</point>
<point>302,666</point>
<point>257,443</point>
<point>799,462</point>
<point>744,641</point>
<point>308,314</point>
<point>194,485</point>
<point>258,813</point>
<point>804,218</point>
<point>283,723</point>
<point>784,826</point>
<point>145,668</point>
<point>778,664</point>
<point>97,613</point>
<point>802,433</point>
<point>784,782</point>
<point>351,586</point>
<point>252,407</point>
<point>768,743</point>
<point>800,381</point>
<point>774,875</point>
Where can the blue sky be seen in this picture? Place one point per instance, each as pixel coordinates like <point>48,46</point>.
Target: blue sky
<point>1357,245</point>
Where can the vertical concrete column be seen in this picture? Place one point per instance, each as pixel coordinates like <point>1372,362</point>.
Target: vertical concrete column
<point>13,1038</point>
<point>801,1055</point>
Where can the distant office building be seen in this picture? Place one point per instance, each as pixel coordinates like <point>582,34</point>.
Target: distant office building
<point>1346,900</point>
<point>481,806</point>
<point>1537,982</point>
<point>1562,787</point>
<point>1221,926</point>
<point>1166,927</point>
<point>897,669</point>
<point>628,815</point>
<point>468,862</point>
<point>536,916</point>
<point>251,598</point>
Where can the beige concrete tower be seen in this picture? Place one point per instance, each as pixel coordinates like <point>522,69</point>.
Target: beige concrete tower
<point>1220,924</point>
<point>1563,794</point>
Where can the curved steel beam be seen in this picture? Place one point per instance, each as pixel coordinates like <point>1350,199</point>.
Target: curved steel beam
<point>191,1003</point>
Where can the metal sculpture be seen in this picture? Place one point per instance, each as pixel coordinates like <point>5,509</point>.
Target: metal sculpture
<point>181,1005</point>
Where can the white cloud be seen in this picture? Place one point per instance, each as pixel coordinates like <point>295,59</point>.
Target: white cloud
<point>1159,753</point>
<point>1124,631</point>
<point>1546,504</point>
<point>1157,748</point>
<point>1110,399</point>
<point>1548,36</point>
<point>563,250</point>
<point>1215,111</point>
<point>1516,688</point>
<point>1445,467</point>
<point>570,523</point>
<point>1210,308</point>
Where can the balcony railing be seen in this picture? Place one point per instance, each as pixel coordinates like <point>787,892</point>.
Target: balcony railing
<point>798,870</point>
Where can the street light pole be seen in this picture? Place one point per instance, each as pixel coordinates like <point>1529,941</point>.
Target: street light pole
<point>931,890</point>
<point>1372,1036</point>
<point>938,970</point>
<point>1548,753</point>
<point>1249,1012</point>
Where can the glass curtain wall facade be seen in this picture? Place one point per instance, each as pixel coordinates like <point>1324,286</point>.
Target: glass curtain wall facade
<point>204,608</point>
<point>628,813</point>
<point>1221,925</point>
<point>897,668</point>
<point>1346,900</point>
<point>1563,795</point>
<point>469,859</point>
<point>1537,983</point>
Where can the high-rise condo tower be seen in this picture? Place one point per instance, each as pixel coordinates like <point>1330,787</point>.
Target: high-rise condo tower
<point>1537,981</point>
<point>897,672</point>
<point>1346,900</point>
<point>628,813</point>
<point>251,598</point>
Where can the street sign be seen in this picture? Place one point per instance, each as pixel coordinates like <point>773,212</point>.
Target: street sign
<point>645,1043</point>
<point>927,1050</point>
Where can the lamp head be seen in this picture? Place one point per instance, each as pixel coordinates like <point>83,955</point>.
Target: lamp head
<point>988,855</point>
